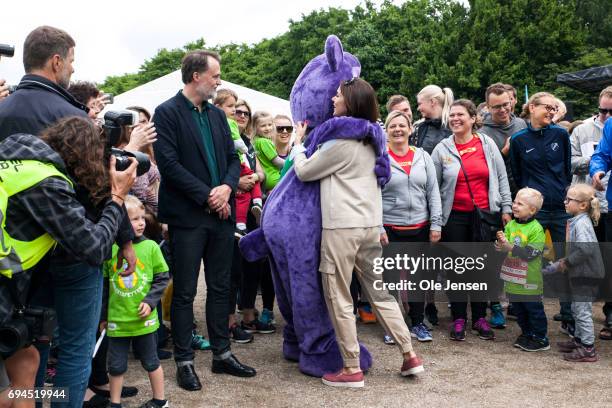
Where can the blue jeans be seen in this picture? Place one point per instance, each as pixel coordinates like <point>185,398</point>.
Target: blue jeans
<point>530,315</point>
<point>77,292</point>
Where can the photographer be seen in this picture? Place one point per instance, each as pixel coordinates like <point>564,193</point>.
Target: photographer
<point>46,203</point>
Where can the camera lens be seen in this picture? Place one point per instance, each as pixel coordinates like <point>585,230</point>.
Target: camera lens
<point>13,336</point>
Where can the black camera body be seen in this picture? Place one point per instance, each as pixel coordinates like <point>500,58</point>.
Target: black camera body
<point>113,123</point>
<point>28,324</point>
<point>7,50</point>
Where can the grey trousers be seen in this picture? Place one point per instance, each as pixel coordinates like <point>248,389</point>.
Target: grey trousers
<point>583,316</point>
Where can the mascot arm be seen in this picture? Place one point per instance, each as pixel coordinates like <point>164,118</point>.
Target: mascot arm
<point>328,159</point>
<point>253,246</point>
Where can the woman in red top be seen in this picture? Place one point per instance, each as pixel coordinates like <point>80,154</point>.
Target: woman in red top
<point>488,190</point>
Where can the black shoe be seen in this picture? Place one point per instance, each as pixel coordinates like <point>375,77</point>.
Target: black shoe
<point>126,391</point>
<point>521,341</point>
<point>431,312</point>
<point>163,354</point>
<point>187,378</point>
<point>96,401</point>
<point>232,366</point>
<point>560,317</point>
<point>534,344</point>
<point>240,336</point>
<point>257,326</point>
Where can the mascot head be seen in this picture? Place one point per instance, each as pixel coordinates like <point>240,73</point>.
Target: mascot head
<point>318,82</point>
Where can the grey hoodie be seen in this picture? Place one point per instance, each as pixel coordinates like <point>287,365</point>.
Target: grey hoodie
<point>583,255</point>
<point>415,198</point>
<point>499,133</point>
<point>446,160</point>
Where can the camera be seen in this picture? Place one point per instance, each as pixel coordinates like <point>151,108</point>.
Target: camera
<point>113,123</point>
<point>28,324</point>
<point>7,50</point>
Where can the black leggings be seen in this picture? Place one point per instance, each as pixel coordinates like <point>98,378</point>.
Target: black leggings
<point>458,228</point>
<point>416,309</point>
<point>256,274</point>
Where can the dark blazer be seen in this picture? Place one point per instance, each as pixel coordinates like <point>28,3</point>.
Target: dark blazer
<point>179,151</point>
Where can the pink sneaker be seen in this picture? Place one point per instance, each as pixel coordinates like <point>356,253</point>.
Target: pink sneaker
<point>412,366</point>
<point>340,379</point>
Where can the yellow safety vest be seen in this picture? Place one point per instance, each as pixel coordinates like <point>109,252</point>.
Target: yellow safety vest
<point>15,177</point>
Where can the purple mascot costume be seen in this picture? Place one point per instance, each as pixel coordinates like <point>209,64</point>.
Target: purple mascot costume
<point>290,233</point>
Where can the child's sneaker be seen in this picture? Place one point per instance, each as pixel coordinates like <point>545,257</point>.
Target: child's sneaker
<point>412,366</point>
<point>388,340</point>
<point>50,375</point>
<point>238,335</point>
<point>431,313</point>
<point>256,326</point>
<point>239,232</point>
<point>483,329</point>
<point>567,346</point>
<point>256,210</point>
<point>340,379</point>
<point>457,332</point>
<point>497,317</point>
<point>535,344</point>
<point>366,315</point>
<point>152,404</point>
<point>267,317</point>
<point>421,332</point>
<point>582,354</point>
<point>568,328</point>
<point>521,341</point>
<point>199,342</point>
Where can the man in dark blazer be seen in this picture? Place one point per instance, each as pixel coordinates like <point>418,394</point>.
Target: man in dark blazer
<point>199,173</point>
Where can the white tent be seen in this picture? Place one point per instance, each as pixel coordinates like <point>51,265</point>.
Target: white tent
<point>153,93</point>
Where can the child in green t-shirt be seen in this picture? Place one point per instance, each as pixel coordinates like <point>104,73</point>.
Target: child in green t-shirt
<point>272,163</point>
<point>523,239</point>
<point>129,307</point>
<point>226,100</point>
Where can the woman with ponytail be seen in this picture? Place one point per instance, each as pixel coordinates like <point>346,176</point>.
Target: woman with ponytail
<point>434,105</point>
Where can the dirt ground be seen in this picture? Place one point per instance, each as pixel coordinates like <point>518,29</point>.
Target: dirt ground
<point>473,373</point>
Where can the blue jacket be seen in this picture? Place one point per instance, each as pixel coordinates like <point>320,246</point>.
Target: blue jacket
<point>602,158</point>
<point>541,159</point>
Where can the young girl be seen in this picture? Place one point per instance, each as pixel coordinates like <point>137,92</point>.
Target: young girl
<point>583,265</point>
<point>226,100</point>
<point>271,162</point>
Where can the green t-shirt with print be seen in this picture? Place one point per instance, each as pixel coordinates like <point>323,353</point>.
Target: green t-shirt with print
<point>127,292</point>
<point>266,152</point>
<point>516,281</point>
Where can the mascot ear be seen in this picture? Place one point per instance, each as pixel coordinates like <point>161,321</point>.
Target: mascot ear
<point>334,52</point>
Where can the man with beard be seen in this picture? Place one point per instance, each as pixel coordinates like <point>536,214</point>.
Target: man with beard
<point>199,173</point>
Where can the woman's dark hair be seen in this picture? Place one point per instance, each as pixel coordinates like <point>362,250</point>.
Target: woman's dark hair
<point>81,145</point>
<point>360,99</point>
<point>83,91</point>
<point>471,110</point>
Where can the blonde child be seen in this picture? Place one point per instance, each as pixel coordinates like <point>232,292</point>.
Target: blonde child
<point>272,163</point>
<point>226,101</point>
<point>129,307</point>
<point>523,238</point>
<point>584,268</point>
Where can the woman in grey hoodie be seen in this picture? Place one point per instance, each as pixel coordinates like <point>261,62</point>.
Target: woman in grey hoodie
<point>488,189</point>
<point>412,211</point>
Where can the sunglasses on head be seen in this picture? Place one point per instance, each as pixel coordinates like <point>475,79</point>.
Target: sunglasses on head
<point>605,111</point>
<point>246,114</point>
<point>284,129</point>
<point>350,81</point>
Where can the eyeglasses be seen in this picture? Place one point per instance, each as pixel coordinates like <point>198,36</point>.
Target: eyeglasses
<point>242,113</point>
<point>501,106</point>
<point>605,111</point>
<point>549,108</point>
<point>568,199</point>
<point>284,129</point>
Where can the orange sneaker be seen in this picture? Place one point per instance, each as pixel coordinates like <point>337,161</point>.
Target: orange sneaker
<point>365,314</point>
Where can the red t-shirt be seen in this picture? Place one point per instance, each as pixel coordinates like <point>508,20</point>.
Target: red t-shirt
<point>404,161</point>
<point>475,165</point>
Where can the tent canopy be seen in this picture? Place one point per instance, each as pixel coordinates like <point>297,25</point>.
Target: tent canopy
<point>153,93</point>
<point>588,80</point>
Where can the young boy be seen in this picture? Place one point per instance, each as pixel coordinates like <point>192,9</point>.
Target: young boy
<point>521,271</point>
<point>226,101</point>
<point>129,305</point>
